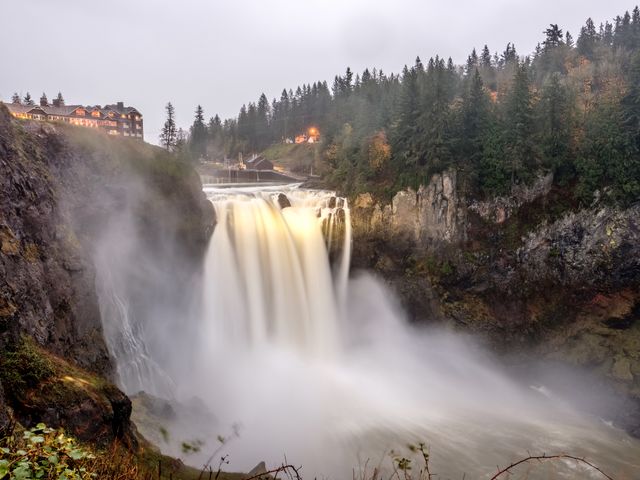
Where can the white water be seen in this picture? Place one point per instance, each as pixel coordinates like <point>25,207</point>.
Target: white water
<point>267,278</point>
<point>326,371</point>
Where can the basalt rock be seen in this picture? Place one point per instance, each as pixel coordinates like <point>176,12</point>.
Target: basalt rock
<point>533,273</point>
<point>60,188</point>
<point>432,215</point>
<point>283,201</point>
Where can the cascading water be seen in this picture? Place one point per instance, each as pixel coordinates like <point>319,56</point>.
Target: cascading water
<point>118,264</point>
<point>267,275</point>
<point>324,369</point>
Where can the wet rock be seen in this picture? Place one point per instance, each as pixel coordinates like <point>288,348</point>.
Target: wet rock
<point>59,194</point>
<point>283,201</point>
<point>600,247</point>
<point>433,214</point>
<point>499,209</point>
<point>621,370</point>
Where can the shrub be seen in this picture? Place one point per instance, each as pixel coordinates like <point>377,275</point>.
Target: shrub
<point>44,453</point>
<point>22,366</point>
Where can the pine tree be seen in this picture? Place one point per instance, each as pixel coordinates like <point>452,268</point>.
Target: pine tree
<point>509,56</point>
<point>168,134</point>
<point>552,58</point>
<point>215,138</point>
<point>475,109</point>
<point>198,137</point>
<point>16,99</point>
<point>485,58</point>
<point>587,39</point>
<point>625,173</point>
<point>435,144</point>
<point>27,100</point>
<point>519,127</point>
<point>568,40</point>
<point>407,131</point>
<point>263,114</point>
<point>44,102</point>
<point>472,63</point>
<point>347,83</point>
<point>554,37</point>
<point>252,122</point>
<point>555,123</point>
<point>58,101</point>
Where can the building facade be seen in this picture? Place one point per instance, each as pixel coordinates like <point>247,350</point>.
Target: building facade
<point>114,119</point>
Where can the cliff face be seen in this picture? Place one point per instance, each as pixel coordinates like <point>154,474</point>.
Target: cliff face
<point>431,215</point>
<point>532,272</point>
<point>60,187</point>
<point>46,275</point>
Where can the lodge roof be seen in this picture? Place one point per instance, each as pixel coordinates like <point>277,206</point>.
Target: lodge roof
<point>67,110</point>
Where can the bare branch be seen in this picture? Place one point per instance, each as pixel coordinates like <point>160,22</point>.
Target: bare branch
<point>287,469</point>
<point>544,456</point>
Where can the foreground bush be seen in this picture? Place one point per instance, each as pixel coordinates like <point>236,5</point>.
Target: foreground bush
<point>46,453</point>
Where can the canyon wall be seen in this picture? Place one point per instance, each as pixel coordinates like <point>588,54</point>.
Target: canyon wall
<point>61,187</point>
<point>533,273</point>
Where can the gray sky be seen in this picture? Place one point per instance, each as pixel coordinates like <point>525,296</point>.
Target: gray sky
<point>222,54</point>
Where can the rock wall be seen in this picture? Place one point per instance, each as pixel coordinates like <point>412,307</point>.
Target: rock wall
<point>595,248</point>
<point>499,209</point>
<point>534,274</point>
<point>434,214</point>
<point>46,276</point>
<point>60,186</point>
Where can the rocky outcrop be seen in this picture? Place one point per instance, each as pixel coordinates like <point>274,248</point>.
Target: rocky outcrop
<point>533,273</point>
<point>585,248</point>
<point>46,276</point>
<point>499,209</point>
<point>61,187</point>
<point>433,214</point>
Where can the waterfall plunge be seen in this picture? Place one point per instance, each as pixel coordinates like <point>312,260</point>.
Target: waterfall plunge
<point>332,379</point>
<point>267,275</point>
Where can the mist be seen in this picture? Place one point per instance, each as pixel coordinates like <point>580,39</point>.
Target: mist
<point>327,385</point>
<point>224,54</point>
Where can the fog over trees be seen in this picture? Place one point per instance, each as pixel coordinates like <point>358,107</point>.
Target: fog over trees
<point>570,107</point>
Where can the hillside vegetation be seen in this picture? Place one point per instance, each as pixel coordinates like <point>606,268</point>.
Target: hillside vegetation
<point>572,107</point>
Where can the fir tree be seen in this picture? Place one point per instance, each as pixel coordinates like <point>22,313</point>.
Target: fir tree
<point>553,37</point>
<point>27,100</point>
<point>472,62</point>
<point>168,134</point>
<point>58,101</point>
<point>519,127</point>
<point>555,121</point>
<point>262,128</point>
<point>44,102</point>
<point>568,40</point>
<point>587,39</point>
<point>16,99</point>
<point>485,58</point>
<point>198,134</point>
<point>475,111</point>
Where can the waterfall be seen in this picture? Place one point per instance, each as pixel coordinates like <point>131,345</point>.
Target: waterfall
<point>320,364</point>
<point>135,368</point>
<point>267,276</point>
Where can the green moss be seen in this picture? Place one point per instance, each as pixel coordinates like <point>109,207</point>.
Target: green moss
<point>23,366</point>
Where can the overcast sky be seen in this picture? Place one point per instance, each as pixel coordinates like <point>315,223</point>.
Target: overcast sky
<point>221,54</point>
